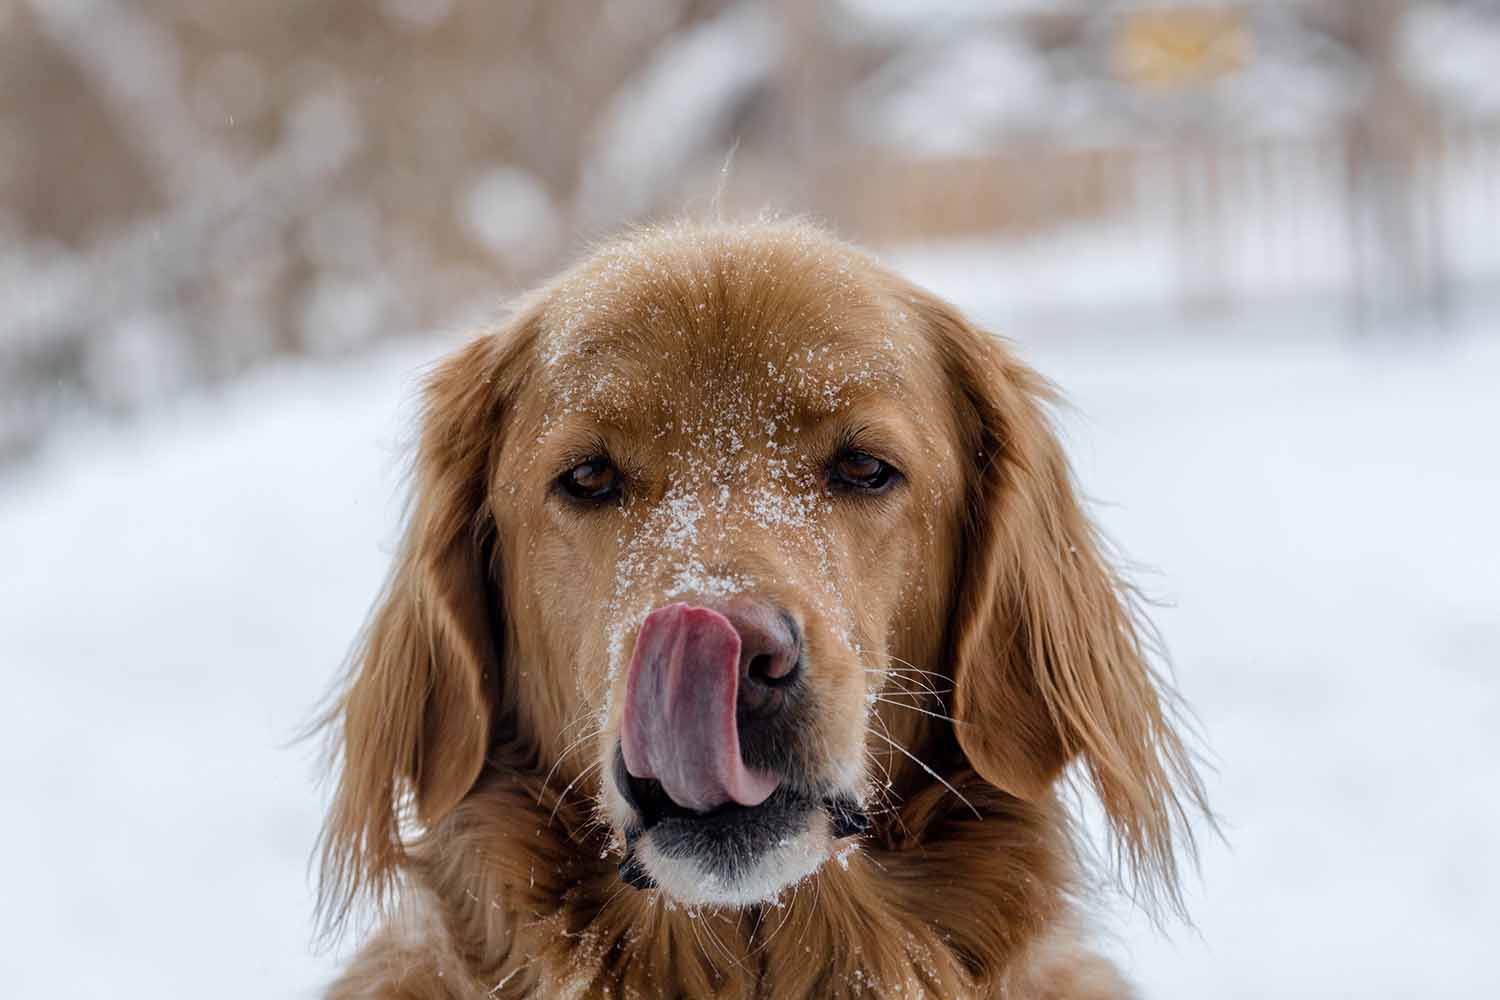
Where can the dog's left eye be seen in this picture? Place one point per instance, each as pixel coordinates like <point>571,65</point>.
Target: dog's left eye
<point>857,472</point>
<point>596,481</point>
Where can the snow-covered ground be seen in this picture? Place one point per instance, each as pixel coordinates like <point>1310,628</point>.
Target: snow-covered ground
<point>1320,519</point>
<point>1323,526</point>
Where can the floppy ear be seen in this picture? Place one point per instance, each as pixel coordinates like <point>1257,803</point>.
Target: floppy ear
<point>412,727</point>
<point>1046,640</point>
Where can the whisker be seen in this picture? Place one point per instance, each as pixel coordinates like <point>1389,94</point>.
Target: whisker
<point>881,797</point>
<point>760,917</point>
<point>886,767</point>
<point>908,677</point>
<point>697,925</point>
<point>913,668</point>
<point>723,948</point>
<point>590,734</point>
<point>582,717</point>
<point>919,762</point>
<point>785,916</point>
<point>620,890</point>
<point>594,823</point>
<point>586,708</point>
<point>563,795</point>
<point>884,771</point>
<point>914,708</point>
<point>905,672</point>
<point>923,693</point>
<point>890,793</point>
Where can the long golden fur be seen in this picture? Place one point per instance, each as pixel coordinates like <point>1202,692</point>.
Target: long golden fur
<point>967,642</point>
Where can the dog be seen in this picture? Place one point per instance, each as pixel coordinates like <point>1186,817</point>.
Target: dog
<point>746,635</point>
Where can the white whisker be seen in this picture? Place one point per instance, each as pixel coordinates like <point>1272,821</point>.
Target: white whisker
<point>920,763</point>
<point>563,795</point>
<point>588,735</point>
<point>922,711</point>
<point>920,678</point>
<point>913,668</point>
<point>923,693</point>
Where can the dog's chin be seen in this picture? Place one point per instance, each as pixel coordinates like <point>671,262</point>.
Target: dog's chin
<point>731,856</point>
<point>686,867</point>
<point>734,855</point>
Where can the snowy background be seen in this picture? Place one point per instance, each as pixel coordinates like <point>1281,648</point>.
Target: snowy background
<point>1266,275</point>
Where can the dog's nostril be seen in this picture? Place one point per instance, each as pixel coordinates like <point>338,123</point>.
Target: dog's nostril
<point>775,675</point>
<point>765,669</point>
<point>771,646</point>
<point>765,682</point>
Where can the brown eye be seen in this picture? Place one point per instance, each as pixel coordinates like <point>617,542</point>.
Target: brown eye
<point>857,472</point>
<point>596,481</point>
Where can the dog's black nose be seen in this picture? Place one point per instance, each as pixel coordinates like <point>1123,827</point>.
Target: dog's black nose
<point>770,653</point>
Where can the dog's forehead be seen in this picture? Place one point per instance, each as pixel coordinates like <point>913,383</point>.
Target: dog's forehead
<point>622,377</point>
<point>653,336</point>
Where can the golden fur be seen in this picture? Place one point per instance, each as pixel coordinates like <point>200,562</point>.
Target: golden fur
<point>483,698</point>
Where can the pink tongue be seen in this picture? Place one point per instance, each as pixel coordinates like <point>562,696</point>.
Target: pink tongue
<point>679,724</point>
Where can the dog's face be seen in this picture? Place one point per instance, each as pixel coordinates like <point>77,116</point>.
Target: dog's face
<point>681,533</point>
<point>730,499</point>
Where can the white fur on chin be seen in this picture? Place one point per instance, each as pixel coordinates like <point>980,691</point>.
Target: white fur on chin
<point>685,881</point>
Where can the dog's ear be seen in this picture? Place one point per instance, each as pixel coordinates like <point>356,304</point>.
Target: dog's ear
<point>411,728</point>
<point>1047,645</point>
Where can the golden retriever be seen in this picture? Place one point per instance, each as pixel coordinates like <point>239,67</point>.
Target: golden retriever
<point>744,627</point>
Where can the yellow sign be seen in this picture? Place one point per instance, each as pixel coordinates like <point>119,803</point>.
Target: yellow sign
<point>1182,48</point>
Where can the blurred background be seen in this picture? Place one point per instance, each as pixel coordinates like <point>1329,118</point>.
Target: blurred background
<point>1257,244</point>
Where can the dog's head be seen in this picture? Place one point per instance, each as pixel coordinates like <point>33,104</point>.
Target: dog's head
<point>694,529</point>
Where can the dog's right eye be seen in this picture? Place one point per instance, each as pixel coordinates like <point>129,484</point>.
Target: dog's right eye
<point>857,472</point>
<point>596,481</point>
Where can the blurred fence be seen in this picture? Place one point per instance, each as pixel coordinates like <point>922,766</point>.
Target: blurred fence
<point>1215,156</point>
<point>189,186</point>
<point>1216,226</point>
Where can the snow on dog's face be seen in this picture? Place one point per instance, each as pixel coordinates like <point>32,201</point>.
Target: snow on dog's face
<point>721,495</point>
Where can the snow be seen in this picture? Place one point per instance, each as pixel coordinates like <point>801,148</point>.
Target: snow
<point>177,595</point>
<point>1322,524</point>
<point>1319,516</point>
